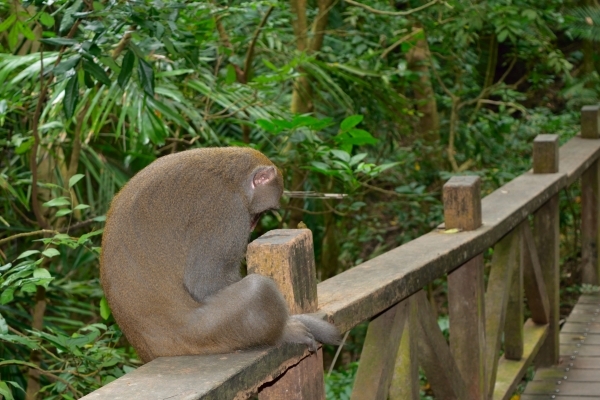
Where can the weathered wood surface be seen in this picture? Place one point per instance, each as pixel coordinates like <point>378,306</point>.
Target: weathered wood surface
<point>505,259</point>
<point>405,381</point>
<point>590,217</point>
<point>287,256</point>
<point>359,293</point>
<point>545,154</point>
<point>547,241</point>
<point>577,374</point>
<point>379,352</point>
<point>435,357</point>
<point>466,288</point>
<point>510,372</point>
<point>221,376</point>
<point>533,279</point>
<point>515,310</point>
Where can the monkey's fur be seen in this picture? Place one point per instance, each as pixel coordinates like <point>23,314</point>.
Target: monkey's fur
<point>171,252</point>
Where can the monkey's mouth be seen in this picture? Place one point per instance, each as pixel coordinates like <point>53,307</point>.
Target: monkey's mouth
<point>254,221</point>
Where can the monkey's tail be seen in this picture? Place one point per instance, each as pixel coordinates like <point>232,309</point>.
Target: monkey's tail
<point>322,331</point>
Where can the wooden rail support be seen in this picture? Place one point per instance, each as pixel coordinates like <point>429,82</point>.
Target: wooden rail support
<point>405,381</point>
<point>435,357</point>
<point>287,256</point>
<point>462,210</point>
<point>504,261</point>
<point>376,366</point>
<point>546,235</point>
<point>513,324</point>
<point>590,209</point>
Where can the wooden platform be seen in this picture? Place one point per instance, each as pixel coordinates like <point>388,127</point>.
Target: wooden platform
<point>577,377</point>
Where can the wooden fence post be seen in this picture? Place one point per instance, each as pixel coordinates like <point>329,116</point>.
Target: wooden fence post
<point>590,209</point>
<point>466,290</point>
<point>287,256</point>
<point>546,235</point>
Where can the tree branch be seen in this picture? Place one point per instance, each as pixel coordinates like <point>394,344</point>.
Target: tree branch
<point>251,46</point>
<point>392,13</point>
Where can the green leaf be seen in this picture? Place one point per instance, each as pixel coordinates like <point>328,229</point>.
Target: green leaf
<point>59,201</point>
<point>59,41</point>
<point>146,75</point>
<point>3,326</point>
<point>63,212</point>
<point>29,288</point>
<point>51,252</point>
<point>71,96</point>
<point>42,272</point>
<point>126,68</point>
<point>81,207</point>
<point>104,308</point>
<point>26,31</point>
<point>350,122</point>
<point>7,295</point>
<point>7,23</point>
<point>47,19</point>
<point>27,253</point>
<point>5,391</point>
<point>96,71</point>
<point>231,76</point>
<point>66,65</point>
<point>100,218</point>
<point>342,155</point>
<point>268,126</point>
<point>74,179</point>
<point>85,237</point>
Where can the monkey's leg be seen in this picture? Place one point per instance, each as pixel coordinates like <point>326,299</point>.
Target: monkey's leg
<point>247,313</point>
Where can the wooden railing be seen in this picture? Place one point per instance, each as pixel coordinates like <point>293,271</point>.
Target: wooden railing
<point>403,334</point>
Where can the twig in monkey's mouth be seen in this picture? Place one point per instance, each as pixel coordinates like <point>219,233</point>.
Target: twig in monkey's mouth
<point>254,221</point>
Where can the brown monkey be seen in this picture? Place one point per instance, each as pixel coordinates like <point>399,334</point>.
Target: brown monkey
<point>171,252</point>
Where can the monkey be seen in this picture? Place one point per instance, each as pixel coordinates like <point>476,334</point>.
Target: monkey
<point>172,246</point>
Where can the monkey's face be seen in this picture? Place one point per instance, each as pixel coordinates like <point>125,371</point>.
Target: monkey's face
<point>266,190</point>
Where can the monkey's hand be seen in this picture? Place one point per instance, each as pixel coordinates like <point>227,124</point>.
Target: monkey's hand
<point>296,332</point>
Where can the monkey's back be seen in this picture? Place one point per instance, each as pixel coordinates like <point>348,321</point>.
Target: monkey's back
<point>176,221</point>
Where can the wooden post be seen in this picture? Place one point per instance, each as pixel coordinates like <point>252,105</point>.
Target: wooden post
<point>376,366</point>
<point>590,239</point>
<point>287,256</point>
<point>546,236</point>
<point>405,381</point>
<point>466,290</point>
<point>513,323</point>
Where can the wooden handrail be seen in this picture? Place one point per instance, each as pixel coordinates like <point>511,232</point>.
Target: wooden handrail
<point>371,288</point>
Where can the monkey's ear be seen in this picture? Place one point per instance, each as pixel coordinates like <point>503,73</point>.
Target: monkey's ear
<point>263,176</point>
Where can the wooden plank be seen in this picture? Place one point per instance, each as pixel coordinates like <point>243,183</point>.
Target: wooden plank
<point>510,372</point>
<point>583,318</point>
<point>434,355</point>
<point>574,338</point>
<point>221,376</point>
<point>379,352</point>
<point>581,350</point>
<point>369,288</point>
<point>589,299</point>
<point>533,279</point>
<point>590,215</point>
<point>587,149</point>
<point>573,375</point>
<point>405,381</point>
<point>578,327</point>
<point>572,388</point>
<point>513,324</point>
<point>287,256</point>
<point>504,260</point>
<point>545,154</point>
<point>546,232</point>
<point>466,287</point>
